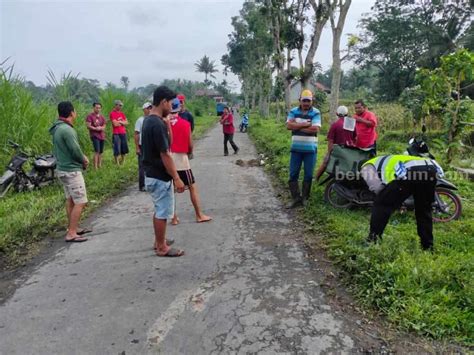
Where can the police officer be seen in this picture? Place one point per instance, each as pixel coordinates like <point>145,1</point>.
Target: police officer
<point>393,178</point>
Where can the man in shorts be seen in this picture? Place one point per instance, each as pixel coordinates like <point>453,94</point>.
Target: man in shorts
<point>70,163</point>
<point>119,136</point>
<point>96,125</point>
<point>161,176</point>
<point>181,147</point>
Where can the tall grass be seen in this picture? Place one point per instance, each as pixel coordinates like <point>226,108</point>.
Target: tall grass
<point>432,294</point>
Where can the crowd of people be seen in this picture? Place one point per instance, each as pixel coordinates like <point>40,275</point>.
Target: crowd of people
<point>164,147</point>
<point>391,178</point>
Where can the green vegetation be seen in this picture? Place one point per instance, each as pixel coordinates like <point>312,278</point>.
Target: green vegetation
<point>431,294</point>
<point>28,217</point>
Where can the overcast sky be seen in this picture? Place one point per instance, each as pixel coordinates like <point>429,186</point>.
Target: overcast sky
<point>148,41</point>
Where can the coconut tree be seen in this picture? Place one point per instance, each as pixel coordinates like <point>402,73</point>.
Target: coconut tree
<point>206,66</point>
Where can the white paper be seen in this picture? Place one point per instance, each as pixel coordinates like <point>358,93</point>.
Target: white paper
<point>349,123</point>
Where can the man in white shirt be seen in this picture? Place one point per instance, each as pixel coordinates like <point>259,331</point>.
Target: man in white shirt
<point>138,145</point>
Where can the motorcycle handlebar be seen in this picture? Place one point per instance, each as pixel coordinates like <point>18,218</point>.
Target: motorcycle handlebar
<point>13,144</point>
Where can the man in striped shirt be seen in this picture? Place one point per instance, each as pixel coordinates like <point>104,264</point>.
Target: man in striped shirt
<point>304,122</point>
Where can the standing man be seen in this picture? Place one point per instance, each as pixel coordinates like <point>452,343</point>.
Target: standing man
<point>227,122</point>
<point>304,122</point>
<point>184,113</point>
<point>96,125</point>
<point>119,136</point>
<point>138,143</point>
<point>161,177</point>
<point>366,122</point>
<point>70,163</point>
<point>393,178</point>
<point>181,147</point>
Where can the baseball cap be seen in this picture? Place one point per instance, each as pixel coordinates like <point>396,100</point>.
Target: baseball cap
<point>175,105</point>
<point>146,105</point>
<point>181,97</point>
<point>118,102</point>
<point>342,111</point>
<point>306,95</point>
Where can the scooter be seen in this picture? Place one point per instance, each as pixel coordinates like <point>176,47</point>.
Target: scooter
<point>41,173</point>
<point>351,190</point>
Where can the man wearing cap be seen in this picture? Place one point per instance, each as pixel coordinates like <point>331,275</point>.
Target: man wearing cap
<point>304,122</point>
<point>184,113</point>
<point>339,134</point>
<point>138,145</point>
<point>119,132</point>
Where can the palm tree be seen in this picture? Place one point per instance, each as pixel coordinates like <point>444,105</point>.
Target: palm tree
<point>206,66</point>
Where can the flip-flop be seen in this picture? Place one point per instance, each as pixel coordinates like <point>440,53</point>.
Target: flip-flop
<point>76,240</point>
<point>168,242</point>
<point>172,253</point>
<point>84,231</point>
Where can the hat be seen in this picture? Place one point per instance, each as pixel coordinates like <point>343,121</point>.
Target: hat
<point>146,105</point>
<point>175,105</point>
<point>118,102</point>
<point>306,95</point>
<point>342,111</point>
<point>181,97</point>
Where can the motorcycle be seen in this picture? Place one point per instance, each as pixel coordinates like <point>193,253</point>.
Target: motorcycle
<point>349,190</point>
<point>41,173</point>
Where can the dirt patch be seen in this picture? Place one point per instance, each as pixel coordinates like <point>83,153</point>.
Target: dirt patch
<point>249,163</point>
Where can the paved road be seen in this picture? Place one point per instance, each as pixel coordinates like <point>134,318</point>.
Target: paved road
<point>244,285</point>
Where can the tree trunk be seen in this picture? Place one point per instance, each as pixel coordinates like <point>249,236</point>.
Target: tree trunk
<point>321,13</point>
<point>287,81</point>
<point>336,52</point>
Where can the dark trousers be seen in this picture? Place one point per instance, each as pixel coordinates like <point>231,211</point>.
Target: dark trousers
<point>141,172</point>
<point>229,138</point>
<point>392,197</point>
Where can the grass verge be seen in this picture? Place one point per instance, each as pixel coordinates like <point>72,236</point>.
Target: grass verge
<point>28,217</point>
<point>429,293</point>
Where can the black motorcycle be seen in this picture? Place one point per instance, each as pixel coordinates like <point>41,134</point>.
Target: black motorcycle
<point>349,190</point>
<point>41,173</point>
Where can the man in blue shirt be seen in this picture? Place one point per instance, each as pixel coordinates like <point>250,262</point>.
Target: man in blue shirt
<point>304,122</point>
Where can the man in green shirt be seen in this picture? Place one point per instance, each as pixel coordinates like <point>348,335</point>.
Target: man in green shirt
<point>70,163</point>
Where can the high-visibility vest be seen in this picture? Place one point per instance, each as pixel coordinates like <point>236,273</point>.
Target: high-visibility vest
<point>386,165</point>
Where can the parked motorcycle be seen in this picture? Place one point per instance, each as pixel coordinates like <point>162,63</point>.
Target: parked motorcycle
<point>41,173</point>
<point>351,190</point>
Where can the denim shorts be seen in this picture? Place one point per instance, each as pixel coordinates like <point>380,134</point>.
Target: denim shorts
<point>162,193</point>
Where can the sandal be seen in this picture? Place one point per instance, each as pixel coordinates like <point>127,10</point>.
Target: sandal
<point>76,240</point>
<point>84,231</point>
<point>168,242</point>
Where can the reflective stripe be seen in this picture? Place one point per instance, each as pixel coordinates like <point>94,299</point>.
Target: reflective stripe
<point>414,163</point>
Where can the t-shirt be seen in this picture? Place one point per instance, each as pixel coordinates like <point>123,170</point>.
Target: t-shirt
<point>154,142</point>
<point>301,141</point>
<point>138,128</point>
<point>96,121</point>
<point>181,133</point>
<point>366,136</point>
<point>341,136</point>
<point>228,125</point>
<point>188,117</point>
<point>118,116</point>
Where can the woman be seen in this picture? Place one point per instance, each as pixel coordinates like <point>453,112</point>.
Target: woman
<point>227,122</point>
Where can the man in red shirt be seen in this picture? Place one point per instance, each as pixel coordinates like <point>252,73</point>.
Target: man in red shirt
<point>119,136</point>
<point>181,147</point>
<point>227,122</point>
<point>96,125</point>
<point>366,122</point>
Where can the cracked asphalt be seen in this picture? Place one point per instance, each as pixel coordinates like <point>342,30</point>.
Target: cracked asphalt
<point>244,286</point>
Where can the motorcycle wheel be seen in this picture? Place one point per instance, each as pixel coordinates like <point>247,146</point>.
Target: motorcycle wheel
<point>451,205</point>
<point>333,198</point>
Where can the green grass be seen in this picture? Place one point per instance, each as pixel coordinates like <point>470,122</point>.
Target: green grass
<point>30,216</point>
<point>431,294</point>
